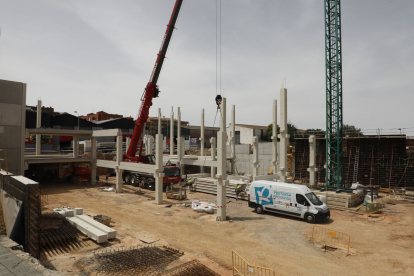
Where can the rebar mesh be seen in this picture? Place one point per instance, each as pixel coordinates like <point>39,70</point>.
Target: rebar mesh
<point>140,260</point>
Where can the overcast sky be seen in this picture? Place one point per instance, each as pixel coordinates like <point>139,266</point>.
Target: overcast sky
<point>98,55</point>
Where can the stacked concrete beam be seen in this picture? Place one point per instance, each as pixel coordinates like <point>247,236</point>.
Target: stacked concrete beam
<point>92,232</point>
<point>284,137</point>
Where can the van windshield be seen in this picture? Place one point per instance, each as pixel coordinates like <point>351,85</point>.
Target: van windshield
<point>314,199</point>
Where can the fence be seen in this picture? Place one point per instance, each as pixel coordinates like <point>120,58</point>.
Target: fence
<point>243,268</point>
<point>331,236</point>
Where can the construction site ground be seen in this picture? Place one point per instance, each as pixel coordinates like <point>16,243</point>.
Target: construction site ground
<point>380,245</point>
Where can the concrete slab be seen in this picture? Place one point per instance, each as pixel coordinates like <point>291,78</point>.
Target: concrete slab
<point>10,264</point>
<point>109,231</point>
<point>87,229</point>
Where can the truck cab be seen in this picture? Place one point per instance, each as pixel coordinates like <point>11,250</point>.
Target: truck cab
<point>287,199</point>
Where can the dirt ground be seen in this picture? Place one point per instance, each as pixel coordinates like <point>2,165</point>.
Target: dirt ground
<point>383,245</point>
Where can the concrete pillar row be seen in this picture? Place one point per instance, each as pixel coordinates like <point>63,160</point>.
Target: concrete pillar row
<point>312,160</point>
<point>284,136</point>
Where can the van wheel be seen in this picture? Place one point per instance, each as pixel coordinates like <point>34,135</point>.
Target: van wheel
<point>310,218</point>
<point>259,209</point>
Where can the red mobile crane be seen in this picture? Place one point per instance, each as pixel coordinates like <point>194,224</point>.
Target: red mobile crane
<point>172,174</point>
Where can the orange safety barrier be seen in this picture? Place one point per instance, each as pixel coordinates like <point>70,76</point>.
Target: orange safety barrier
<point>243,268</point>
<point>331,236</point>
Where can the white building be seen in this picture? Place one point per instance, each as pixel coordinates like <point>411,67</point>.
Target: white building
<point>245,133</point>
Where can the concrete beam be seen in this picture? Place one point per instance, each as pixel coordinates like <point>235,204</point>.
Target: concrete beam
<point>75,146</point>
<point>97,235</point>
<point>159,120</point>
<point>32,160</point>
<point>111,233</point>
<point>59,132</point>
<point>222,181</point>
<point>107,132</point>
<point>118,170</point>
<point>94,143</point>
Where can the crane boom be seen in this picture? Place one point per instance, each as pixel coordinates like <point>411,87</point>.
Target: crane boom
<point>151,90</point>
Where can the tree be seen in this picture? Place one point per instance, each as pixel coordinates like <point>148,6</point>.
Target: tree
<point>292,129</point>
<point>315,131</point>
<point>44,139</point>
<point>270,131</point>
<point>351,130</point>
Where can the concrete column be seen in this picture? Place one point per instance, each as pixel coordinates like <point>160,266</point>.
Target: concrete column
<point>149,145</point>
<point>172,132</point>
<point>284,136</point>
<point>118,162</point>
<point>233,139</point>
<point>255,143</point>
<point>213,155</point>
<point>75,146</point>
<point>159,120</point>
<point>38,125</point>
<point>127,142</point>
<point>159,164</point>
<point>222,181</point>
<point>274,138</point>
<point>202,138</point>
<point>93,160</point>
<point>180,142</point>
<point>312,160</point>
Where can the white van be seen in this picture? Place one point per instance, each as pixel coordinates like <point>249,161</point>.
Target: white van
<point>288,199</point>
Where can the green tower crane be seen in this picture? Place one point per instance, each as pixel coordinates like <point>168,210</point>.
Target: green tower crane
<point>334,132</point>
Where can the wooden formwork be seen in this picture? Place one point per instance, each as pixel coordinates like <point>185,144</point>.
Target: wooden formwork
<point>342,200</point>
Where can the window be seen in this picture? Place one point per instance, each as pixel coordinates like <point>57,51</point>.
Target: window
<point>314,199</point>
<point>300,199</point>
<point>237,137</point>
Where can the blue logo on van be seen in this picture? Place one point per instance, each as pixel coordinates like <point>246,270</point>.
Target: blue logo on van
<point>263,196</point>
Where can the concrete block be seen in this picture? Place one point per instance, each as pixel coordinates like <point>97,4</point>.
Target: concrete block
<point>92,232</point>
<point>242,149</point>
<point>11,92</point>
<point>78,211</point>
<point>109,231</point>
<point>11,114</point>
<point>4,178</point>
<point>69,211</point>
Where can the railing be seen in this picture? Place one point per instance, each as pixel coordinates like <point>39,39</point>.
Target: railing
<point>243,268</point>
<point>331,236</point>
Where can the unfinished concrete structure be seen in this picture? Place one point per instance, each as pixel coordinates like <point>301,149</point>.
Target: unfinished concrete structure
<point>12,124</point>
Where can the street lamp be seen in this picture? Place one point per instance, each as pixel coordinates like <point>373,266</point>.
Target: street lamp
<point>78,119</point>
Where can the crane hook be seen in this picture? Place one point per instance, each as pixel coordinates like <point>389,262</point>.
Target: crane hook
<point>218,101</point>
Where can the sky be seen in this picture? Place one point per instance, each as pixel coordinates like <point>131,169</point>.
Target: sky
<point>95,55</point>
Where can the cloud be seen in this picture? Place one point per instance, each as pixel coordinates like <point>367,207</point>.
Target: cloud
<point>98,55</point>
